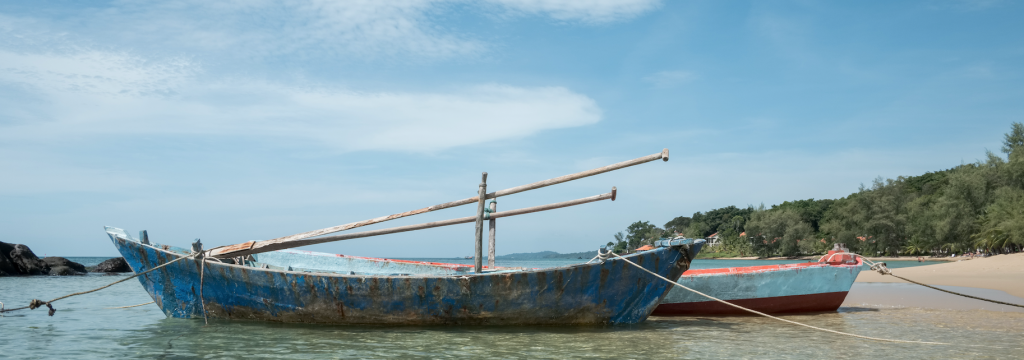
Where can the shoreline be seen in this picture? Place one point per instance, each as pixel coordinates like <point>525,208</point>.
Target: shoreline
<point>998,272</point>
<point>816,257</point>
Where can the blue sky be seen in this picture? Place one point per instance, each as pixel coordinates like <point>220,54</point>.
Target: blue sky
<point>232,121</point>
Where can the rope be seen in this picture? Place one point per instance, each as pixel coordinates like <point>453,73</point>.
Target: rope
<point>882,269</point>
<point>487,209</point>
<point>35,303</point>
<point>202,271</point>
<point>772,317</point>
<point>130,306</point>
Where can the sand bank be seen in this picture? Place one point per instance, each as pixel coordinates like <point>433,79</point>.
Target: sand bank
<point>999,272</point>
<point>896,295</point>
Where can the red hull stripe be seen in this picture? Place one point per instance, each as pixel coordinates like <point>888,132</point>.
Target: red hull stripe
<point>750,269</point>
<point>772,305</point>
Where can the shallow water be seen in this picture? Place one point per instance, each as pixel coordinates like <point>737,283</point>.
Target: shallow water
<point>83,328</point>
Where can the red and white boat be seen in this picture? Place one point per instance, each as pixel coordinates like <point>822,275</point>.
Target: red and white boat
<point>788,288</point>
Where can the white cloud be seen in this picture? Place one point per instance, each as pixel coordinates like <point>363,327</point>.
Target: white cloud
<point>666,79</point>
<point>104,93</point>
<point>95,72</point>
<point>596,11</point>
<point>240,31</point>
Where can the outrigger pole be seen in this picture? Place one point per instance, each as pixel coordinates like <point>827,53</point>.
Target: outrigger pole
<point>464,220</point>
<point>302,239</point>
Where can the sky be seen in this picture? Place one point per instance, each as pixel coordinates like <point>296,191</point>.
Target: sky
<point>232,121</point>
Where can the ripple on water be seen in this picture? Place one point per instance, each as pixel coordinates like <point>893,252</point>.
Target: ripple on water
<point>82,328</point>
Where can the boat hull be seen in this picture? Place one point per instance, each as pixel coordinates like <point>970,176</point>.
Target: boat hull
<point>793,288</point>
<point>612,292</point>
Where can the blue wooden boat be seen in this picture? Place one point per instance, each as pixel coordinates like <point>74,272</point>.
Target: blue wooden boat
<point>309,287</point>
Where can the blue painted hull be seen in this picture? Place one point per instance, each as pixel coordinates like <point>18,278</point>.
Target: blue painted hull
<point>612,292</point>
<point>791,288</point>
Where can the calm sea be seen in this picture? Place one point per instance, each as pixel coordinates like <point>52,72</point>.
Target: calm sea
<point>84,327</point>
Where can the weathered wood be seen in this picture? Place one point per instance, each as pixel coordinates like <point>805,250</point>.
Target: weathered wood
<point>561,179</point>
<point>490,230</point>
<point>479,244</point>
<point>260,244</point>
<point>465,220</point>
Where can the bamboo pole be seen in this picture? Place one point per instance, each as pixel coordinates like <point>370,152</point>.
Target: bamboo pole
<point>478,256</point>
<point>464,220</point>
<point>490,230</point>
<point>223,251</point>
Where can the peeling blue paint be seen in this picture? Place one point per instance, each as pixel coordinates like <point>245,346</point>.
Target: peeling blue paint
<point>612,292</point>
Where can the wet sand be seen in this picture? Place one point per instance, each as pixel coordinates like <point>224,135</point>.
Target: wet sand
<point>1000,272</point>
<point>906,295</point>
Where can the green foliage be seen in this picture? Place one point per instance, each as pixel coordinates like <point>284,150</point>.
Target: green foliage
<point>1013,139</point>
<point>620,243</point>
<point>966,208</point>
<point>679,224</point>
<point>810,211</point>
<point>637,232</point>
<point>778,232</point>
<point>718,220</point>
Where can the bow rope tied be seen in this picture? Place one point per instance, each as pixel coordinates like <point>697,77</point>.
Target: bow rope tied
<point>487,209</point>
<point>36,303</point>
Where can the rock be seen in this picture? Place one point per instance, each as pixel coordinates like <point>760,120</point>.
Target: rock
<point>115,265</point>
<point>63,270</point>
<point>27,261</point>
<point>7,267</point>
<point>62,266</point>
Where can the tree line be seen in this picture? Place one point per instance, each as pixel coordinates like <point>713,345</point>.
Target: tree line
<point>971,207</point>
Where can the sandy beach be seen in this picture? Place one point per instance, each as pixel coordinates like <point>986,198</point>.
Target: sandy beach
<point>999,272</point>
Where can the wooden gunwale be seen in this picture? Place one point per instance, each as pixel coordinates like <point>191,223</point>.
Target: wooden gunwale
<point>340,275</point>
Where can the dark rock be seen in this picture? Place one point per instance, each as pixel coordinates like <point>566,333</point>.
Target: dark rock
<point>115,265</point>
<point>6,248</point>
<point>63,270</point>
<point>27,261</point>
<point>72,268</point>
<point>7,267</point>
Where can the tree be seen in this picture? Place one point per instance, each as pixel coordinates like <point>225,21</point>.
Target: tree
<point>637,232</point>
<point>811,211</point>
<point>872,220</point>
<point>704,224</point>
<point>653,235</point>
<point>1014,138</point>
<point>620,244</point>
<point>1002,226</point>
<point>778,232</point>
<point>679,224</point>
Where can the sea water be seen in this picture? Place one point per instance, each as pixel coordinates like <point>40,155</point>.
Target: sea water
<point>85,327</point>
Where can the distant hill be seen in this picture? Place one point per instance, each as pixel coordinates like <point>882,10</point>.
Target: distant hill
<point>547,255</point>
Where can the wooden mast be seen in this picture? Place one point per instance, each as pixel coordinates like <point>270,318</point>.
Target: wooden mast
<point>232,250</point>
<point>478,256</point>
<point>464,220</point>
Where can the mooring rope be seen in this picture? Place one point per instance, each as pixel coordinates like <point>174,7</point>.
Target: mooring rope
<point>202,301</point>
<point>882,269</point>
<point>35,303</point>
<point>130,306</point>
<point>769,316</point>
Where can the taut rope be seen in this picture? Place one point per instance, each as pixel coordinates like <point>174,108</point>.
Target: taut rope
<point>130,306</point>
<point>882,269</point>
<point>769,316</point>
<point>35,303</point>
